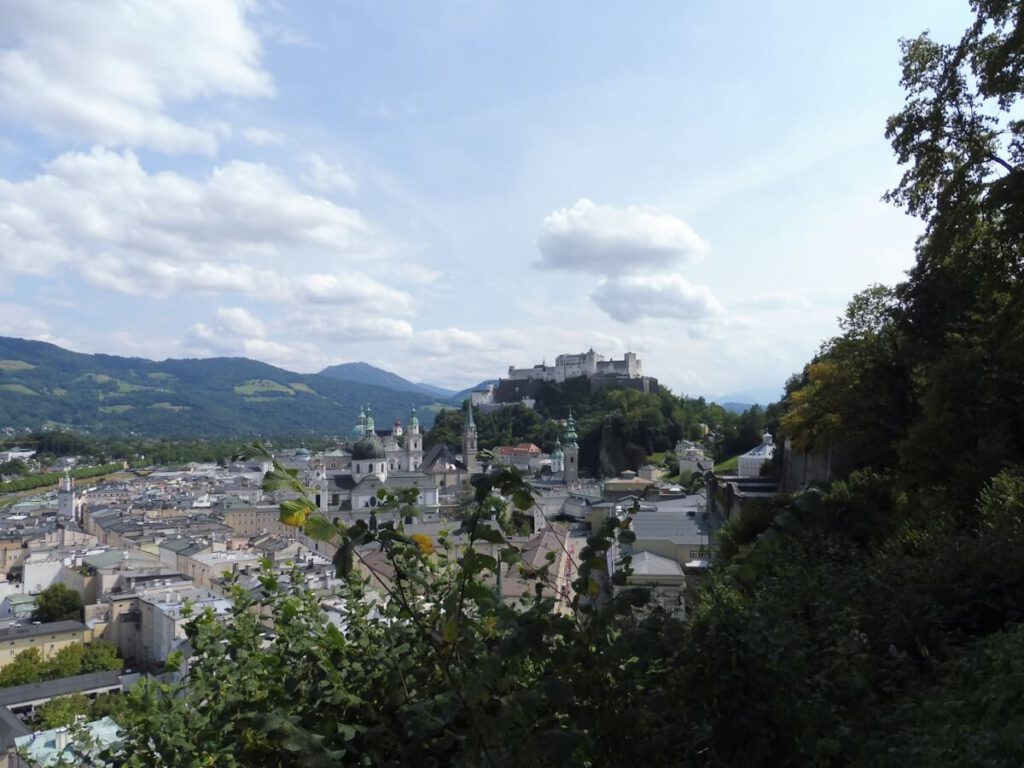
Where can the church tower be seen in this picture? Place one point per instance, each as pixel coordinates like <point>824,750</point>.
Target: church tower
<point>66,506</point>
<point>413,444</point>
<point>571,469</point>
<point>557,459</point>
<point>469,440</point>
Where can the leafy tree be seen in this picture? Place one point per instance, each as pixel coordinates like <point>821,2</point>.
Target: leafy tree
<point>62,711</point>
<point>65,663</point>
<point>26,667</point>
<point>960,137</point>
<point>58,603</point>
<point>101,656</point>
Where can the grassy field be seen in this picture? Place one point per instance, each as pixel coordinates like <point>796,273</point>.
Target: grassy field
<point>729,465</point>
<point>19,389</point>
<point>262,386</point>
<point>15,365</point>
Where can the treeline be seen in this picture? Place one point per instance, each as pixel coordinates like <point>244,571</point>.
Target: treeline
<point>140,451</point>
<point>28,482</point>
<point>617,428</point>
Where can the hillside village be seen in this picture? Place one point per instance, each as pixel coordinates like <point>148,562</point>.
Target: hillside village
<point>239,542</point>
<point>147,550</point>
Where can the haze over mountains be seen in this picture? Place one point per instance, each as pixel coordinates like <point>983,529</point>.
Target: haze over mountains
<point>42,384</point>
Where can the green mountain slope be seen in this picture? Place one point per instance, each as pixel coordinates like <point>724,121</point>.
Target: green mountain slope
<point>364,373</point>
<point>43,384</point>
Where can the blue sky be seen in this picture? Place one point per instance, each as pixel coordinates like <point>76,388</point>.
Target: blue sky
<point>445,189</point>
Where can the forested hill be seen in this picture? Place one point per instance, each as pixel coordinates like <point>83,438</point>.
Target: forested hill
<point>364,373</point>
<point>618,428</point>
<point>44,385</point>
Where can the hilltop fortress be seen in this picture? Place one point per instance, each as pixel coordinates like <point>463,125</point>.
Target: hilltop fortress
<point>523,383</point>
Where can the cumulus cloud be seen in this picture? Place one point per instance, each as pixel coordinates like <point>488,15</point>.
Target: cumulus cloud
<point>112,74</point>
<point>341,329</point>
<point>245,229</point>
<point>241,321</point>
<point>608,240</point>
<point>327,177</point>
<point>634,297</point>
<point>262,136</point>
<point>448,341</point>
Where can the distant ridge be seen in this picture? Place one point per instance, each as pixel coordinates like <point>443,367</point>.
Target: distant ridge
<point>44,385</point>
<point>364,373</point>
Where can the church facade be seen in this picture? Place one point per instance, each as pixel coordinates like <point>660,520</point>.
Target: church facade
<point>349,481</point>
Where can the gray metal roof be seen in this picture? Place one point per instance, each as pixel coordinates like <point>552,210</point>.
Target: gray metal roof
<point>10,728</point>
<point>48,689</point>
<point>674,526</point>
<point>35,630</point>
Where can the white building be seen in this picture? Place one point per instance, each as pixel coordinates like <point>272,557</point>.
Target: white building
<point>692,458</point>
<point>750,463</point>
<point>587,364</point>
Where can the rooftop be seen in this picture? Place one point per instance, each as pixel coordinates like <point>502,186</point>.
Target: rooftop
<point>63,686</point>
<point>35,630</point>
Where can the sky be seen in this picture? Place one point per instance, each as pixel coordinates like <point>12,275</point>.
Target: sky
<point>444,189</point>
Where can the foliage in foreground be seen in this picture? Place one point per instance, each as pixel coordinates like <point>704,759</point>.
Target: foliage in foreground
<point>877,621</point>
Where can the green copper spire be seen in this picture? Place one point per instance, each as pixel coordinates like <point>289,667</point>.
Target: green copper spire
<point>413,419</point>
<point>360,428</point>
<point>370,427</point>
<point>470,426</point>
<point>570,431</point>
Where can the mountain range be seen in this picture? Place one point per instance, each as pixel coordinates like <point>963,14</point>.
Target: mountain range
<point>44,385</point>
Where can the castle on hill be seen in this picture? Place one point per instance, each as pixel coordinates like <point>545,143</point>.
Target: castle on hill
<point>522,384</point>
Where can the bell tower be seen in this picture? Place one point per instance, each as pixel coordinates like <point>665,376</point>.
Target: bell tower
<point>571,466</point>
<point>469,440</point>
<point>413,444</point>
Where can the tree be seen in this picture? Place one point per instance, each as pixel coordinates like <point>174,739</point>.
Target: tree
<point>65,663</point>
<point>62,711</point>
<point>962,142</point>
<point>27,667</point>
<point>101,656</point>
<point>58,603</point>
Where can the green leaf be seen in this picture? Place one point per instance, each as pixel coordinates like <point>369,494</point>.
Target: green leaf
<point>523,499</point>
<point>294,512</point>
<point>484,532</point>
<point>450,630</point>
<point>320,528</point>
<point>475,562</point>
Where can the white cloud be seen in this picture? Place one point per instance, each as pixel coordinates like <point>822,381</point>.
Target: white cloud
<point>447,341</point>
<point>245,229</point>
<point>327,177</point>
<point>111,73</point>
<point>341,329</point>
<point>607,240</point>
<point>262,136</point>
<point>241,321</point>
<point>635,297</point>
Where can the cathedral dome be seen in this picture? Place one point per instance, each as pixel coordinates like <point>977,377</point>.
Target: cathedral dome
<point>368,448</point>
